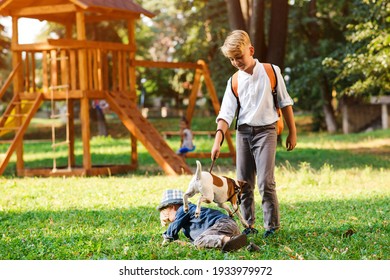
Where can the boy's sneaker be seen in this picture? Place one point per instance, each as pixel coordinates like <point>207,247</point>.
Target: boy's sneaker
<point>235,243</point>
<point>250,230</point>
<point>268,233</point>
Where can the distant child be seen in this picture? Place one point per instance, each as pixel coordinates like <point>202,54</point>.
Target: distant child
<point>212,229</point>
<point>256,137</point>
<point>186,144</point>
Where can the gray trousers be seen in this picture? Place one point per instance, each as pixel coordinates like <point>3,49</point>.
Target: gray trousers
<point>212,237</point>
<point>255,155</point>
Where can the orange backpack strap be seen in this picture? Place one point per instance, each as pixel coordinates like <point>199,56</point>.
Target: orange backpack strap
<point>235,84</point>
<point>271,75</point>
<point>235,92</point>
<point>274,83</point>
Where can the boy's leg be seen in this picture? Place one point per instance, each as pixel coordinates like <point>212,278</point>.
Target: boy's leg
<point>265,161</point>
<point>246,172</point>
<point>212,237</point>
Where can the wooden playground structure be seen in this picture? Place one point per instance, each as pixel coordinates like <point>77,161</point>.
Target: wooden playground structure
<point>76,69</point>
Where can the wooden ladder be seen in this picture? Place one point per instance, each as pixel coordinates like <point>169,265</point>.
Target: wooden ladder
<point>143,130</point>
<point>19,125</point>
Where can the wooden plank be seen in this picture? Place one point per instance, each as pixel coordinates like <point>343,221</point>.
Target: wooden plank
<point>207,155</point>
<point>105,70</point>
<point>193,95</point>
<point>7,83</point>
<point>84,102</point>
<point>104,170</point>
<point>27,72</point>
<point>64,62</point>
<point>120,71</point>
<point>45,77</point>
<point>85,44</point>
<point>33,69</point>
<point>73,69</point>
<point>99,69</point>
<point>71,44</point>
<point>53,68</point>
<point>57,95</point>
<point>90,69</point>
<point>43,10</point>
<point>164,64</point>
<point>114,71</point>
<point>125,73</point>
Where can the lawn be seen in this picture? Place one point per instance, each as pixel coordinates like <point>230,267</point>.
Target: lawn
<point>333,190</point>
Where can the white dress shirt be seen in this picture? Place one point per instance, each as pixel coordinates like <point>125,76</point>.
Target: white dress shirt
<point>255,95</point>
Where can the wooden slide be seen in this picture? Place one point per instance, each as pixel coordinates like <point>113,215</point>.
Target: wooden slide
<point>145,132</point>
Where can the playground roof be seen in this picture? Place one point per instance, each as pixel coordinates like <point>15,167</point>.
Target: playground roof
<point>64,10</point>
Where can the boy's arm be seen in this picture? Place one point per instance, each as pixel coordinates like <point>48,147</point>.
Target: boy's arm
<point>291,140</point>
<point>172,233</point>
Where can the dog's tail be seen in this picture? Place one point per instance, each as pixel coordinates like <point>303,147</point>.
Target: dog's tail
<point>198,171</point>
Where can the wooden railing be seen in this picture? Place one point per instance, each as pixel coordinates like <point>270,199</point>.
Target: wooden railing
<point>57,62</point>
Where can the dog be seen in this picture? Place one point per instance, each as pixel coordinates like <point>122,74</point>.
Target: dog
<point>217,189</point>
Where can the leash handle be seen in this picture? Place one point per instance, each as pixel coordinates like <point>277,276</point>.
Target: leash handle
<point>215,158</point>
<point>212,164</point>
<point>223,135</point>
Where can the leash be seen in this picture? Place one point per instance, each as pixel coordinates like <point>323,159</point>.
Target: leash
<point>215,158</point>
<point>236,192</point>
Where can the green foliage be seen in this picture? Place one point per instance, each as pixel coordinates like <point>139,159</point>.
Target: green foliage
<point>364,70</point>
<point>183,31</point>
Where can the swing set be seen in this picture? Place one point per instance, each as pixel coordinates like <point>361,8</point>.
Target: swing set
<point>79,70</point>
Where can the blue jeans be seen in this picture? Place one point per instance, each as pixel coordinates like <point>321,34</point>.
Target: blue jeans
<point>255,156</point>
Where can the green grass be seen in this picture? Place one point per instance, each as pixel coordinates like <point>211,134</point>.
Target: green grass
<point>334,195</point>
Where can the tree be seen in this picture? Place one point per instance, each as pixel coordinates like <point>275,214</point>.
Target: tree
<point>364,70</point>
<point>316,31</point>
<point>250,15</point>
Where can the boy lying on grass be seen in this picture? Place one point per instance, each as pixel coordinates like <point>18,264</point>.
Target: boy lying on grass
<point>212,229</point>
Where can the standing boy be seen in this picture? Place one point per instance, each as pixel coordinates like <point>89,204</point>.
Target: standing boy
<point>256,137</point>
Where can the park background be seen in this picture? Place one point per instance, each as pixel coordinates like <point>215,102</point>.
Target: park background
<point>333,189</point>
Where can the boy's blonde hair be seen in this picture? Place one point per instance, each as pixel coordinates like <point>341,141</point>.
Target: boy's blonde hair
<point>235,43</point>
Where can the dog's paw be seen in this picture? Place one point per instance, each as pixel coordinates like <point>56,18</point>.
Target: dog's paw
<point>185,210</point>
<point>197,214</point>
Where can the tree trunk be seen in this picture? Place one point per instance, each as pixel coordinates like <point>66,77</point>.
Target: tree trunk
<point>236,18</point>
<point>329,113</point>
<point>278,33</point>
<point>256,29</point>
<point>326,91</point>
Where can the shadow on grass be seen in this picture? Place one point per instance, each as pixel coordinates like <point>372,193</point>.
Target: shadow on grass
<point>338,159</point>
<point>337,229</point>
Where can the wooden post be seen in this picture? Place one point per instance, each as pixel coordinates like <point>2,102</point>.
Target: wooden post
<point>214,100</point>
<point>132,72</point>
<point>18,86</point>
<point>132,84</point>
<point>194,95</point>
<point>72,82</point>
<point>84,101</point>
